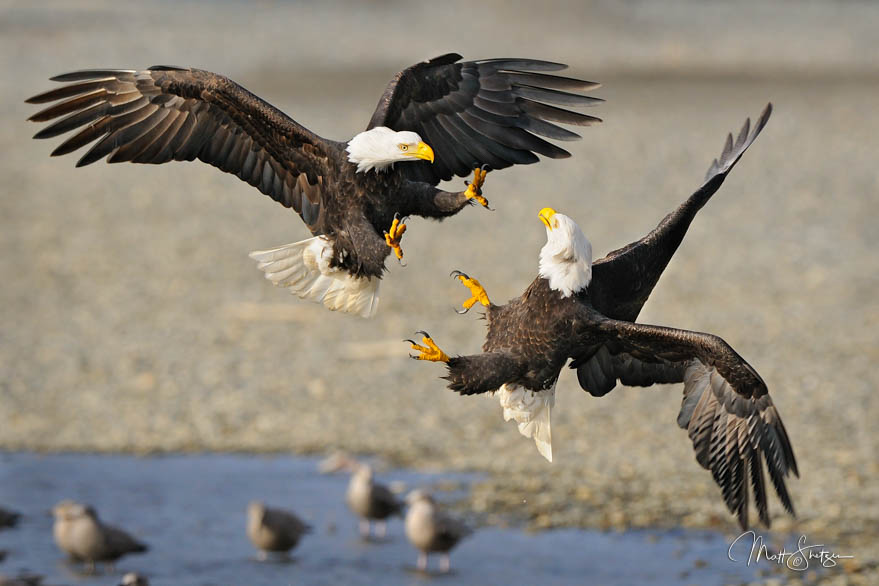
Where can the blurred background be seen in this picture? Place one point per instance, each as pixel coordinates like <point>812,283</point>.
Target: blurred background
<point>132,320</point>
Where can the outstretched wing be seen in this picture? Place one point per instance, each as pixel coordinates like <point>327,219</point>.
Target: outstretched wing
<point>488,112</point>
<point>482,373</point>
<point>726,408</point>
<point>166,114</point>
<point>622,281</point>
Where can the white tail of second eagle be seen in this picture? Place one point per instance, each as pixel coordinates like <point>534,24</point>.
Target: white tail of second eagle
<point>304,268</point>
<point>532,411</point>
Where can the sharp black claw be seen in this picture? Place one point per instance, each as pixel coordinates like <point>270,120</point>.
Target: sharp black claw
<point>410,341</point>
<point>396,215</point>
<point>456,273</point>
<point>485,167</point>
<point>423,333</point>
<point>462,311</point>
<point>413,356</point>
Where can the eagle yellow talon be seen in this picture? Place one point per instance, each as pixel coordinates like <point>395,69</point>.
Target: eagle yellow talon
<point>474,188</point>
<point>395,234</point>
<point>477,291</point>
<point>430,351</point>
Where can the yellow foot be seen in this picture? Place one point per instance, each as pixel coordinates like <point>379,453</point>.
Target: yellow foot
<point>393,236</point>
<point>477,291</point>
<point>430,351</point>
<point>474,189</point>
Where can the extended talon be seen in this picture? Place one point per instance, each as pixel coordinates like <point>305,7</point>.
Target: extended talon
<point>477,291</point>
<point>474,188</point>
<point>430,351</point>
<point>393,236</point>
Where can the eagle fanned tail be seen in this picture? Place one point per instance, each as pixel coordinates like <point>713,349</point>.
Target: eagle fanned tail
<point>304,268</point>
<point>532,411</point>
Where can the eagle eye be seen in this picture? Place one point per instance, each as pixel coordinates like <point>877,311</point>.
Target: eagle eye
<point>404,147</point>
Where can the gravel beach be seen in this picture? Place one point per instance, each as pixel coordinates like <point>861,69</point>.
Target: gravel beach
<point>131,318</point>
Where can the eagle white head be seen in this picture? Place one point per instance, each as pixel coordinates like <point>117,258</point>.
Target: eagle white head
<point>380,147</point>
<point>566,258</point>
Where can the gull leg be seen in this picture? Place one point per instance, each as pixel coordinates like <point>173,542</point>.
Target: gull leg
<point>474,188</point>
<point>430,351</point>
<point>422,561</point>
<point>477,291</point>
<point>364,528</point>
<point>395,234</point>
<point>381,528</point>
<point>445,562</point>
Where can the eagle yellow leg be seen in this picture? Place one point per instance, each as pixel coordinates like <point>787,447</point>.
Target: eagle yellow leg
<point>477,291</point>
<point>474,188</point>
<point>395,234</point>
<point>430,351</point>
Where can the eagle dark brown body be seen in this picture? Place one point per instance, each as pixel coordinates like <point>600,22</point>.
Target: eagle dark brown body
<point>726,408</point>
<point>473,114</point>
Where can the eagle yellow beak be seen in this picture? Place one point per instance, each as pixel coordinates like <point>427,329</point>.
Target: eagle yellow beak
<point>545,216</point>
<point>423,151</point>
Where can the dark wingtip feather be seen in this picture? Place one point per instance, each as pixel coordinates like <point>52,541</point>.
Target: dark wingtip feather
<point>167,68</point>
<point>91,74</point>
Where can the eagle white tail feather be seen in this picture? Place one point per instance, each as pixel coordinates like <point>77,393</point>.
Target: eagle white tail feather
<point>304,268</point>
<point>532,411</point>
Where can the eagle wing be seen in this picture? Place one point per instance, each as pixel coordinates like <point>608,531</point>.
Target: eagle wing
<point>166,114</point>
<point>487,112</point>
<point>622,280</point>
<point>726,407</point>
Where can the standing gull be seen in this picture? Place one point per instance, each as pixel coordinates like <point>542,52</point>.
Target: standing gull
<point>371,501</point>
<point>273,530</point>
<point>431,530</point>
<point>80,533</point>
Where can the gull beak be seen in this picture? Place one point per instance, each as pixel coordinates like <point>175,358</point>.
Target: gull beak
<point>423,151</point>
<point>545,216</point>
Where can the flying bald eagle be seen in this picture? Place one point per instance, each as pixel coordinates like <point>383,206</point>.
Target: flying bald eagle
<point>586,312</point>
<point>459,116</point>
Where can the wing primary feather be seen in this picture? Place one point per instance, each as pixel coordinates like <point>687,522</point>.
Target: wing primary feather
<point>547,112</point>
<point>158,152</point>
<point>84,74</point>
<point>479,151</point>
<point>74,104</point>
<point>524,64</point>
<point>546,129</point>
<point>75,89</point>
<point>83,137</point>
<point>553,96</point>
<point>514,137</point>
<point>554,82</point>
<point>150,130</point>
<point>510,154</point>
<point>758,484</point>
<point>110,142</point>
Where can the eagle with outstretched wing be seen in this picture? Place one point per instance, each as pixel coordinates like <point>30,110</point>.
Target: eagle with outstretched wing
<point>438,119</point>
<point>583,312</point>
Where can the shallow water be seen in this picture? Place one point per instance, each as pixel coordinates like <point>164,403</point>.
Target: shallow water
<point>190,509</point>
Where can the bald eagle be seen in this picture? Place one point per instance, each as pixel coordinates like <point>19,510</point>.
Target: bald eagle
<point>459,116</point>
<point>586,312</point>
